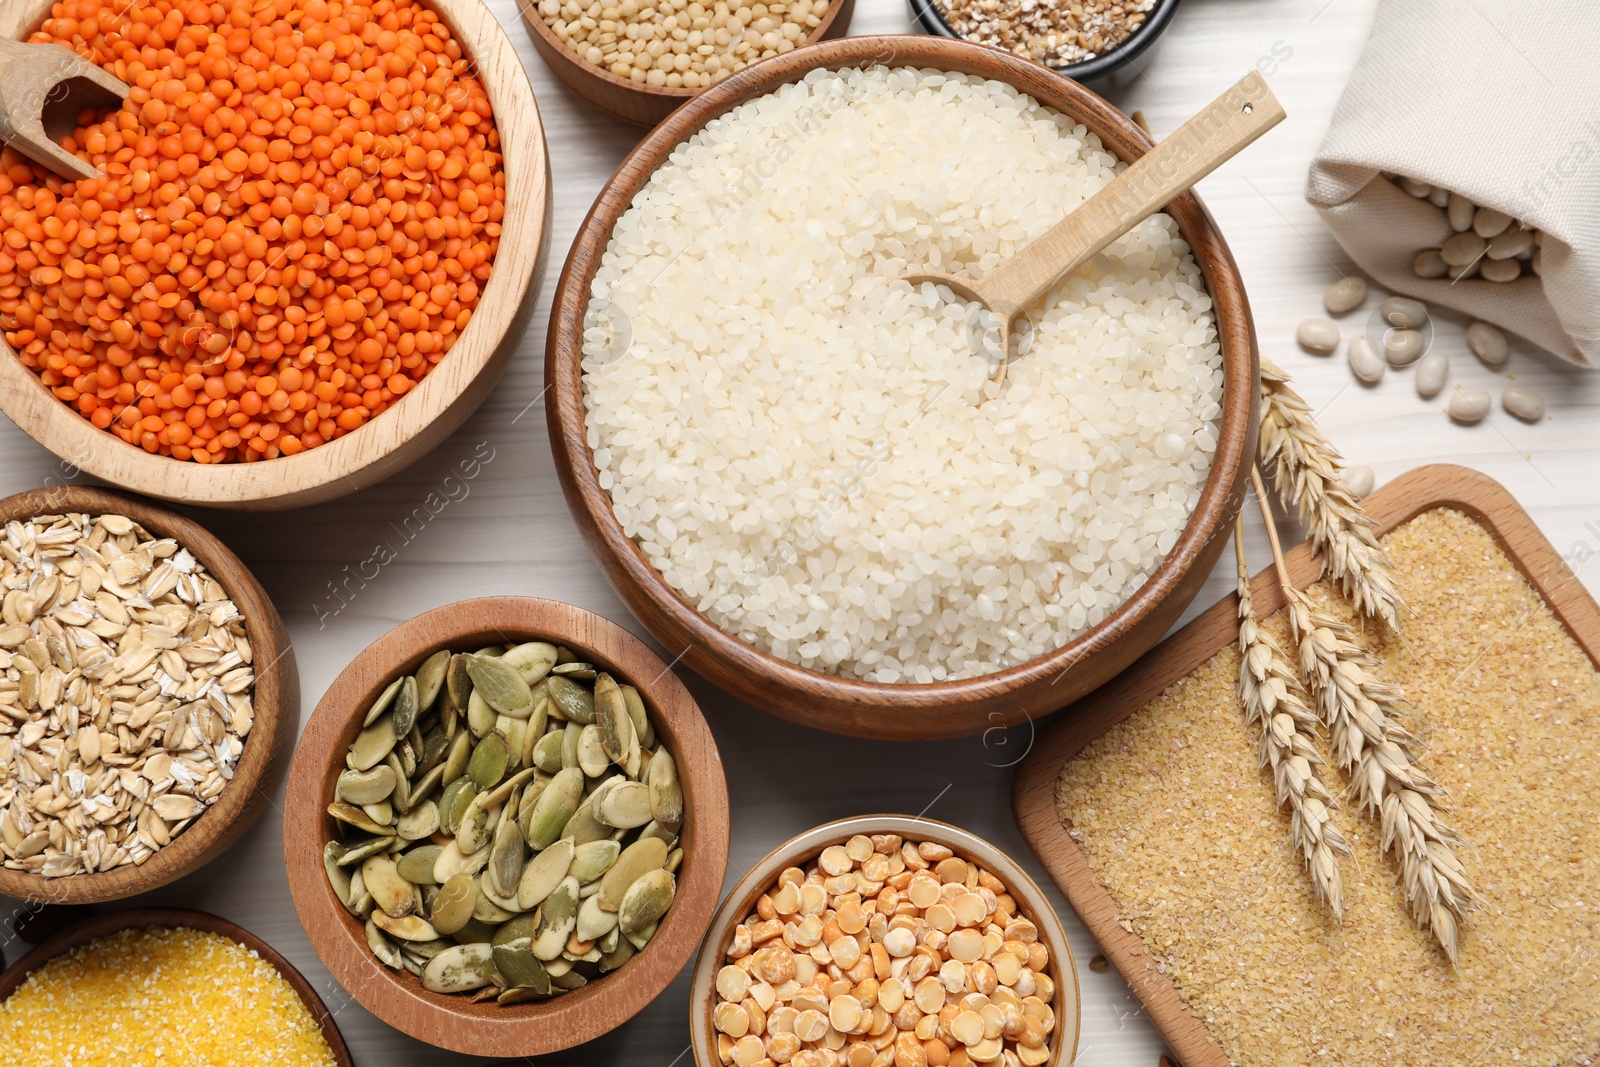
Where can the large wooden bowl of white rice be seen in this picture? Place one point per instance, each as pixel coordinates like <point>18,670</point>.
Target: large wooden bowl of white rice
<point>790,465</point>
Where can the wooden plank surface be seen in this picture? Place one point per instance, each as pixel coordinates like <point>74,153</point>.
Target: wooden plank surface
<point>505,529</point>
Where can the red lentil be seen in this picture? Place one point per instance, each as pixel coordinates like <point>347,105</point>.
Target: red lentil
<point>301,205</point>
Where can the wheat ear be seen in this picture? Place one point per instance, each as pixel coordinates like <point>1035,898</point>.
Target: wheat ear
<point>1273,701</point>
<point>1307,472</point>
<point>1379,756</point>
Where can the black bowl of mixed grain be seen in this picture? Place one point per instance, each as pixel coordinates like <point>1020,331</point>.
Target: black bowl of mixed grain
<point>1085,40</point>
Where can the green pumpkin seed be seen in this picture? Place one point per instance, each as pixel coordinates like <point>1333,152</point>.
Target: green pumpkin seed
<point>370,847</point>
<point>592,758</point>
<point>452,861</point>
<point>592,859</point>
<point>558,966</point>
<point>453,803</point>
<point>660,833</point>
<point>359,818</point>
<point>430,678</point>
<point>616,956</point>
<point>381,813</point>
<point>365,787</point>
<point>532,660</point>
<point>547,752</point>
<point>382,947</point>
<point>420,822</point>
<point>505,904</point>
<point>425,785</point>
<point>647,899</point>
<point>584,827</point>
<point>477,824</point>
<point>416,866</point>
<point>558,915</point>
<point>519,929</point>
<point>487,911</point>
<point>406,928</point>
<point>575,701</point>
<point>515,733</point>
<point>521,968</point>
<point>611,716</point>
<point>460,754</point>
<point>625,806</point>
<point>338,880</point>
<point>406,707</point>
<point>501,793</point>
<point>584,672</point>
<point>459,969</point>
<point>371,745</point>
<point>361,904</point>
<point>674,860</point>
<point>641,938</point>
<point>426,950</point>
<point>543,873</point>
<point>637,860</point>
<point>568,982</point>
<point>607,942</point>
<point>666,795</point>
<point>642,727</point>
<point>458,683</point>
<point>475,932</point>
<point>569,744</point>
<point>480,716</point>
<point>382,703</point>
<point>593,920</point>
<point>488,765</point>
<point>518,995</point>
<point>400,797</point>
<point>458,895</point>
<point>393,893</point>
<point>435,743</point>
<point>555,808</point>
<point>506,858</point>
<point>500,685</point>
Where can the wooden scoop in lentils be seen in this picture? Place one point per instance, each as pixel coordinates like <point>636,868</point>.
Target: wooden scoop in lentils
<point>885,952</point>
<point>300,206</point>
<point>510,824</point>
<point>125,693</point>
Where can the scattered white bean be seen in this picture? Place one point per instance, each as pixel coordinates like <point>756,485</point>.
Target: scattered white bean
<point>1490,223</point>
<point>1359,480</point>
<point>1365,364</point>
<point>1533,264</point>
<point>1344,295</point>
<point>1319,336</point>
<point>1500,270</point>
<point>1432,370</point>
<point>1440,197</point>
<point>1403,311</point>
<point>1420,190</point>
<point>1523,402</point>
<point>1512,244</point>
<point>1463,248</point>
<point>1402,347</point>
<point>1468,271</point>
<point>1429,264</point>
<point>1469,405</point>
<point>1488,343</point>
<point>1460,211</point>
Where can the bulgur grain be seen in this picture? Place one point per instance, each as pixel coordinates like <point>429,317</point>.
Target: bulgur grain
<point>1170,808</point>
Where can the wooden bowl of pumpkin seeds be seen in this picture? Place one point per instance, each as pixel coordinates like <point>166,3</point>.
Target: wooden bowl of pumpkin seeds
<point>506,826</point>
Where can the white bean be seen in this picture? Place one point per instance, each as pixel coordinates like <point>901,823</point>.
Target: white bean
<point>1523,402</point>
<point>1402,347</point>
<point>1365,364</point>
<point>1440,197</point>
<point>1319,336</point>
<point>1488,343</point>
<point>1533,264</point>
<point>1346,294</point>
<point>1490,223</point>
<point>1511,244</point>
<point>1468,271</point>
<point>1403,311</point>
<point>1469,405</point>
<point>1420,190</point>
<point>1432,370</point>
<point>1429,264</point>
<point>1462,249</point>
<point>1460,211</point>
<point>1359,480</point>
<point>1500,270</point>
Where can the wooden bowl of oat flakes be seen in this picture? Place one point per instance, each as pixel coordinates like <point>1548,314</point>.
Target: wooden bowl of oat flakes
<point>148,696</point>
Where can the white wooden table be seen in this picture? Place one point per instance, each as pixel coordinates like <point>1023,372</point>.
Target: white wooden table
<point>508,530</point>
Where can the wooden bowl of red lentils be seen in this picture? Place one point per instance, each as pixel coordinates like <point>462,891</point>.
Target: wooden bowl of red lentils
<point>308,257</point>
<point>882,940</point>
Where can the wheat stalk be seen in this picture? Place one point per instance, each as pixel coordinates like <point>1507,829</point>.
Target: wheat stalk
<point>1307,472</point>
<point>1273,701</point>
<point>1379,756</point>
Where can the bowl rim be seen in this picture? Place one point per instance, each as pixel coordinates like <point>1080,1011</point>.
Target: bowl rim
<point>930,18</point>
<point>708,646</point>
<point>412,425</point>
<point>95,927</point>
<point>450,1021</point>
<point>275,702</point>
<point>741,899</point>
<point>536,24</point>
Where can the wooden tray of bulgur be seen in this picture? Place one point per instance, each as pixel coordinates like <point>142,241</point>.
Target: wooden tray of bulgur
<point>1146,803</point>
